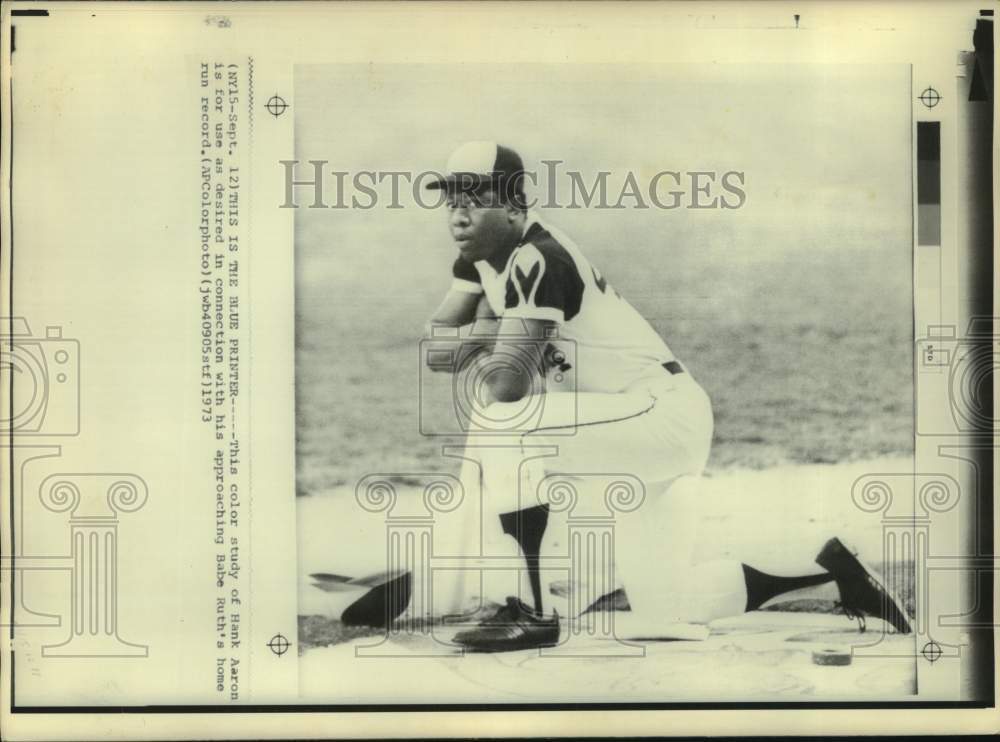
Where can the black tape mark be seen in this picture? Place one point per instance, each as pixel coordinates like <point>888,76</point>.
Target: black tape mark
<point>30,12</point>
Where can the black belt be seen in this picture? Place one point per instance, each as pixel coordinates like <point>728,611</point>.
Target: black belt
<point>673,367</point>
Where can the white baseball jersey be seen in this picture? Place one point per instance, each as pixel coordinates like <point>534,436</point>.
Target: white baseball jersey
<point>547,277</point>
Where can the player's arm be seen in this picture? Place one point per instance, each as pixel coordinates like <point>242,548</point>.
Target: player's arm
<point>474,321</point>
<point>466,312</point>
<point>462,302</point>
<point>517,362</point>
<point>458,308</point>
<point>541,295</point>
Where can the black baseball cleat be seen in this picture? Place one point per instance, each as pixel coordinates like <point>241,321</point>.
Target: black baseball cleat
<point>382,604</point>
<point>862,591</point>
<point>515,626</point>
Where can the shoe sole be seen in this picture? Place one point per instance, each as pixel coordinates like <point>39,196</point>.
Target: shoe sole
<point>495,649</point>
<point>503,647</point>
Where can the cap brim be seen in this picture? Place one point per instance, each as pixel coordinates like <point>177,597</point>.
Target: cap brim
<point>461,181</point>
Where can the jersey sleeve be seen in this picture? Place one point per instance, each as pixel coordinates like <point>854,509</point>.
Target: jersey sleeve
<point>465,277</point>
<point>543,287</point>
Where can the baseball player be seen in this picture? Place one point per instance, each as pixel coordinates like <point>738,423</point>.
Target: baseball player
<point>553,336</point>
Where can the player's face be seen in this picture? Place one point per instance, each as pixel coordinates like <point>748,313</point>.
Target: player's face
<point>479,224</point>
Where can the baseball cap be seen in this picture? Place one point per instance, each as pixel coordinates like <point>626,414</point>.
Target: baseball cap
<point>476,164</point>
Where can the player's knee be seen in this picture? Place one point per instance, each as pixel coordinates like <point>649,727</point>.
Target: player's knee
<point>506,414</point>
<point>528,416</point>
<point>685,486</point>
<point>683,495</point>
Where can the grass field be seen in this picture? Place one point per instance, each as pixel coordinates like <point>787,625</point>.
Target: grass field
<point>806,354</point>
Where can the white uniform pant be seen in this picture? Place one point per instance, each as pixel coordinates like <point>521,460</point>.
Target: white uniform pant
<point>632,460</point>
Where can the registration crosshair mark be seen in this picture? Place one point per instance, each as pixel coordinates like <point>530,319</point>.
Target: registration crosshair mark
<point>279,644</point>
<point>930,97</point>
<point>276,105</point>
<point>932,651</point>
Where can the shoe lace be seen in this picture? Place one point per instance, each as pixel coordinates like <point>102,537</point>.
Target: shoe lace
<point>853,614</point>
<point>506,613</point>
